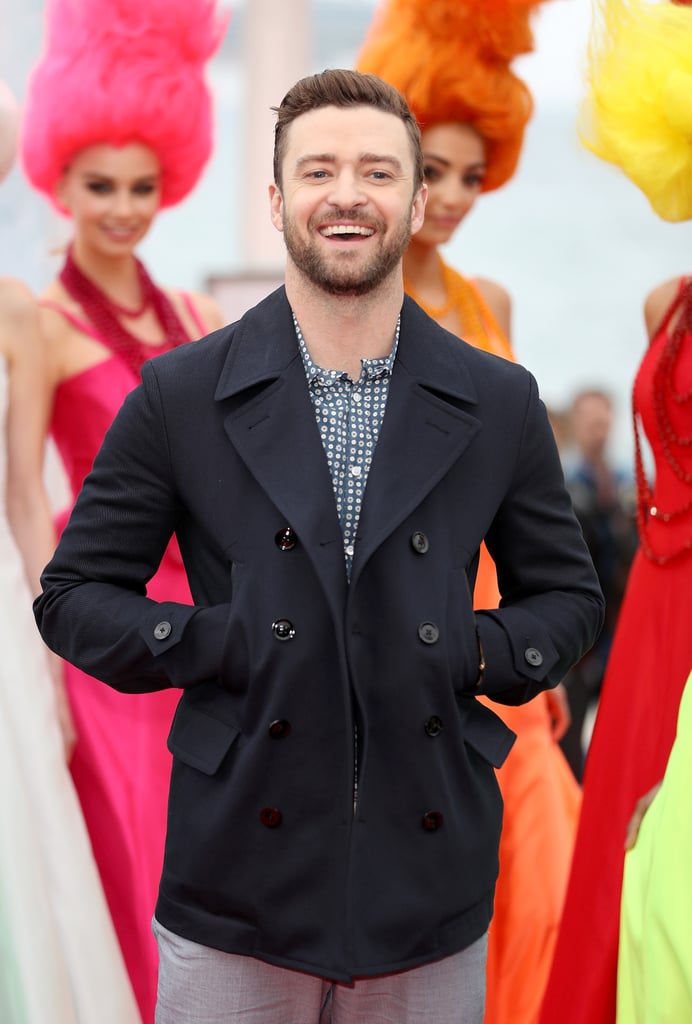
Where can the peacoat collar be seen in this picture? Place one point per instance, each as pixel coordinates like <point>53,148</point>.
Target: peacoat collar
<point>428,423</point>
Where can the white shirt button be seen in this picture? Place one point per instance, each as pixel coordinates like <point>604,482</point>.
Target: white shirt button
<point>356,470</point>
<point>356,396</point>
<point>349,550</point>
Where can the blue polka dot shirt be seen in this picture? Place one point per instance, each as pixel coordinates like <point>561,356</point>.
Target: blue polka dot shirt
<point>349,417</point>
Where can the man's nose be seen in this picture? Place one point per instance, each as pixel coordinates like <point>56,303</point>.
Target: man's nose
<point>347,190</point>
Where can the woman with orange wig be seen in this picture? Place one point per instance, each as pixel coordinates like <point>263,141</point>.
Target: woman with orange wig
<point>451,59</point>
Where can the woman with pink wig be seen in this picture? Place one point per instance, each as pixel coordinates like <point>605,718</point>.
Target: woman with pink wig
<point>117,125</point>
<point>59,956</point>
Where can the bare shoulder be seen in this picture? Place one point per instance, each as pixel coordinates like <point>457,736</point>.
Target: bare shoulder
<point>18,317</point>
<point>60,339</point>
<point>17,303</point>
<point>55,292</point>
<point>55,327</point>
<point>206,308</point>
<point>209,310</point>
<point>657,303</point>
<point>498,300</point>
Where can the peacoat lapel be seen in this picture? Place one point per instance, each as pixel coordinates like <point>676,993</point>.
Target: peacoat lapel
<point>426,428</point>
<point>271,424</point>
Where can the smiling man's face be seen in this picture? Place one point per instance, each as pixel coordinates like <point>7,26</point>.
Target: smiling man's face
<point>347,207</point>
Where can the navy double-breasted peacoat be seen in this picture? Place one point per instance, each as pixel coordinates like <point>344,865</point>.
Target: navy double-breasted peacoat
<point>333,801</point>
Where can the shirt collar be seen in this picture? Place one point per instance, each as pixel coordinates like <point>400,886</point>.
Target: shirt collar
<point>371,368</point>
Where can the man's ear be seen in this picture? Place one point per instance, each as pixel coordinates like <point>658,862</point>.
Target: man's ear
<point>276,205</point>
<point>418,208</point>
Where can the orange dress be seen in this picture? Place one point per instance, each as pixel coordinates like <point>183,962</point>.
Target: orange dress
<point>541,796</point>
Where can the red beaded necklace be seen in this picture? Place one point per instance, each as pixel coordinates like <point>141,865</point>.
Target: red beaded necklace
<point>104,314</point>
<point>672,443</point>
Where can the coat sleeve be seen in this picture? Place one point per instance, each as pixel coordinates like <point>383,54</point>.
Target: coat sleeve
<point>551,609</point>
<point>93,610</point>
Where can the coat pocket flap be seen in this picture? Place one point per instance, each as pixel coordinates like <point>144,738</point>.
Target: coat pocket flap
<point>486,732</point>
<point>199,740</point>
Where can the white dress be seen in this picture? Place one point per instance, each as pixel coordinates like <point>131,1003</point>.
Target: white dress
<point>60,962</point>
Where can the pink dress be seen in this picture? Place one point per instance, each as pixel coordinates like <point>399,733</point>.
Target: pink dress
<point>121,764</point>
<point>649,662</point>
<point>59,957</point>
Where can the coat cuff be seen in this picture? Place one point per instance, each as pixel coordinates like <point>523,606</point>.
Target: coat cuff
<point>518,654</point>
<point>187,641</point>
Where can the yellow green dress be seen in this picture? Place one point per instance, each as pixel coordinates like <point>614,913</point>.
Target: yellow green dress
<point>655,957</point>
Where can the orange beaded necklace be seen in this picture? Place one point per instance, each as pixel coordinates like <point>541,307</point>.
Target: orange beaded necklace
<point>477,324</point>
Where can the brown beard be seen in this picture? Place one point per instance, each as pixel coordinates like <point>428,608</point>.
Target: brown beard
<point>343,280</point>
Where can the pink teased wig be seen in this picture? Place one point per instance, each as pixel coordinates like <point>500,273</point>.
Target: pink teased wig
<point>120,72</point>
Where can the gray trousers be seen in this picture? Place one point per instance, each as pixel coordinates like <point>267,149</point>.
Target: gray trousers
<point>199,985</point>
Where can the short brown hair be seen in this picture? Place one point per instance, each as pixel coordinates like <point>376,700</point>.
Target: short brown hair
<point>343,88</point>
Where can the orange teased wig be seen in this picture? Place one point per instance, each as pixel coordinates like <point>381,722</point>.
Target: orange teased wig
<point>451,60</point>
<point>125,71</point>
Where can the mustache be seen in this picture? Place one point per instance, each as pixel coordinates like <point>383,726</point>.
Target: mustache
<point>353,216</point>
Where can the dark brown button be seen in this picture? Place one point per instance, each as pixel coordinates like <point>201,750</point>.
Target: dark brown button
<point>433,726</point>
<point>283,629</point>
<point>419,542</point>
<point>270,817</point>
<point>432,820</point>
<point>286,539</point>
<point>428,632</point>
<point>279,729</point>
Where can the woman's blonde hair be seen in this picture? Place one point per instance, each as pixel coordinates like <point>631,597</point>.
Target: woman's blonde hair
<point>637,111</point>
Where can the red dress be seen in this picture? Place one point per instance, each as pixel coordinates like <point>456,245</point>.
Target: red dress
<point>649,662</point>
<point>121,764</point>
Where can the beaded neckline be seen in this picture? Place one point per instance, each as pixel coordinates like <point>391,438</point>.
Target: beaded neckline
<point>460,297</point>
<point>105,315</point>
<point>477,323</point>
<point>672,444</point>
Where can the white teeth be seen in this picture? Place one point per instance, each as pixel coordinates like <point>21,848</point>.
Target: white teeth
<point>346,229</point>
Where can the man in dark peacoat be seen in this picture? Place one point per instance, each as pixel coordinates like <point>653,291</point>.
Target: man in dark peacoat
<point>283,660</point>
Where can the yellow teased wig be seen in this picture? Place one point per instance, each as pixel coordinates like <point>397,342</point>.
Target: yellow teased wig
<point>637,112</point>
<point>451,60</point>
